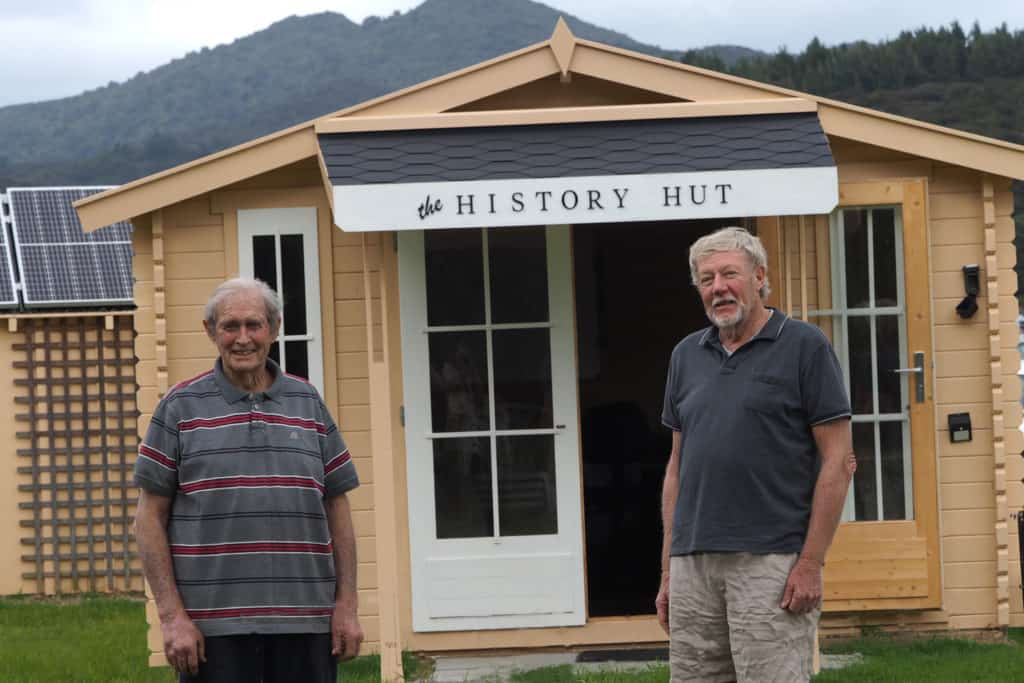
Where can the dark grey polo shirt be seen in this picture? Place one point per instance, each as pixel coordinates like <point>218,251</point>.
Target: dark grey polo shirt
<point>248,473</point>
<point>749,463</point>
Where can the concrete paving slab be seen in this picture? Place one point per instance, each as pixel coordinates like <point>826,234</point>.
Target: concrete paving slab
<point>450,669</point>
<point>498,668</point>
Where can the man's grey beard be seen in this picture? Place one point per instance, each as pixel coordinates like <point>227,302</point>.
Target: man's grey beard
<point>737,318</point>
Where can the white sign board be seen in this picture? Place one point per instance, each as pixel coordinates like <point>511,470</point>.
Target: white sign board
<point>588,199</point>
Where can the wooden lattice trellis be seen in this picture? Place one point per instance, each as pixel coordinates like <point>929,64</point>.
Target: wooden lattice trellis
<point>77,441</point>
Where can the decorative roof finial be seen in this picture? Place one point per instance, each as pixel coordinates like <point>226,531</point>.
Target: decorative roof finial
<point>562,43</point>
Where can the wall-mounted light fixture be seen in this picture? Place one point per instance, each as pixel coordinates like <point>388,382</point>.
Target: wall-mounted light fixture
<point>959,427</point>
<point>972,286</point>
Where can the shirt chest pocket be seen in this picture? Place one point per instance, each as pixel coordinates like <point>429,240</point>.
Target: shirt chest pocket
<point>771,394</point>
<point>303,441</point>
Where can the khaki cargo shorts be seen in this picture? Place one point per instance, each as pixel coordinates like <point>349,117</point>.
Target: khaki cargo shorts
<point>726,623</point>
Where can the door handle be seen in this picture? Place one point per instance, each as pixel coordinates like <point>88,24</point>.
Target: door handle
<point>918,372</point>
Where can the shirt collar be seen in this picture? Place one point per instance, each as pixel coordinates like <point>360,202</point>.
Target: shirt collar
<point>234,393</point>
<point>769,331</point>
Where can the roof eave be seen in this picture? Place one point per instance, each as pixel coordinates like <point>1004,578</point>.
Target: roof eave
<point>854,122</point>
<point>988,155</point>
<point>197,177</point>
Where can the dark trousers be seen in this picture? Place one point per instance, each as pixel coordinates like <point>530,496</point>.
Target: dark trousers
<point>258,658</point>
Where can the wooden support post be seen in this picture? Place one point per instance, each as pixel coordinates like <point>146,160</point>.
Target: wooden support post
<point>160,304</point>
<point>823,257</point>
<point>990,289</point>
<point>786,266</point>
<point>802,245</point>
<point>385,495</point>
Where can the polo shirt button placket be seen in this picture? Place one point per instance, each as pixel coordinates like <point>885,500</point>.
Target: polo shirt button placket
<point>253,409</point>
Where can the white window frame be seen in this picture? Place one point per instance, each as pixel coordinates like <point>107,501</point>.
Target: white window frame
<point>289,221</point>
<point>840,315</point>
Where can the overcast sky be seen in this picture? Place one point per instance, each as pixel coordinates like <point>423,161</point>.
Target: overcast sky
<point>56,48</point>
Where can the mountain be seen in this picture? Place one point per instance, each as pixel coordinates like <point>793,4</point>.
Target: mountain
<point>303,67</point>
<point>295,70</point>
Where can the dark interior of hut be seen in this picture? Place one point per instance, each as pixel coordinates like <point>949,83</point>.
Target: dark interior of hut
<point>634,302</point>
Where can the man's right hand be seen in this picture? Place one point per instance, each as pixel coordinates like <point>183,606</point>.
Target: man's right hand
<point>183,644</point>
<point>661,603</point>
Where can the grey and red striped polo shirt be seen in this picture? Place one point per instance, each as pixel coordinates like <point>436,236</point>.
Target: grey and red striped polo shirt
<point>248,532</point>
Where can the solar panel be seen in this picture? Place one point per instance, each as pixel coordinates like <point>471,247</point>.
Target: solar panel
<point>60,264</point>
<point>8,293</point>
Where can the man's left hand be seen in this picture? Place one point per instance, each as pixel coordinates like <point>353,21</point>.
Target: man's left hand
<point>803,587</point>
<point>346,633</point>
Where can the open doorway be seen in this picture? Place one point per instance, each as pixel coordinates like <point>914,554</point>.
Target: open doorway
<point>634,302</point>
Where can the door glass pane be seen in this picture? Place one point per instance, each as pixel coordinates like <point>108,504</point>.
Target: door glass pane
<point>519,275</point>
<point>871,272</point>
<point>275,352</point>
<point>884,236</point>
<point>455,277</point>
<point>865,496</point>
<point>297,355</point>
<point>522,379</point>
<point>264,259</point>
<point>293,276</point>
<point>893,503</point>
<point>526,485</point>
<point>860,365</point>
<point>458,381</point>
<point>855,233</point>
<point>463,504</point>
<point>887,333</point>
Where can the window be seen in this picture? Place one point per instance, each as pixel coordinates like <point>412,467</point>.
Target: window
<point>868,317</point>
<point>488,336</point>
<point>279,246</point>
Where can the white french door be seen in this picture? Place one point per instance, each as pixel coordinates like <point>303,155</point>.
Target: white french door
<point>491,428</point>
<point>279,246</point>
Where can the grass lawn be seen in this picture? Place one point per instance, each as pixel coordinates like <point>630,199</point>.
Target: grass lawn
<point>88,639</point>
<point>935,660</point>
<point>99,640</point>
<point>103,640</point>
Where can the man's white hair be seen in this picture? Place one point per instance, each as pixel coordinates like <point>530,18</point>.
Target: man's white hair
<point>236,286</point>
<point>733,238</point>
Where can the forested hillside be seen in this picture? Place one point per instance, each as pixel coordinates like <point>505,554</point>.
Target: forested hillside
<point>972,81</point>
<point>293,71</point>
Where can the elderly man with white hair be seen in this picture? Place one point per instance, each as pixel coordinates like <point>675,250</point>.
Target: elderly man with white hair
<point>762,457</point>
<point>243,523</point>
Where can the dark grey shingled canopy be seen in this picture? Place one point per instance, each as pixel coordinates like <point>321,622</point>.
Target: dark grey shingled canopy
<point>724,143</point>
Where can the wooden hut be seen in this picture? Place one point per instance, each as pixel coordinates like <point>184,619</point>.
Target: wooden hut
<point>492,267</point>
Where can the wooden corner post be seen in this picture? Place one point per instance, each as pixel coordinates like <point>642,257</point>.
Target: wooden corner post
<point>384,506</point>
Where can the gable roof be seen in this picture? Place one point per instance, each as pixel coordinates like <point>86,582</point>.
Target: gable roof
<point>562,55</point>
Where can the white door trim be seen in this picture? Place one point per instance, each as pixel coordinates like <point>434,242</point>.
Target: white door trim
<point>463,584</point>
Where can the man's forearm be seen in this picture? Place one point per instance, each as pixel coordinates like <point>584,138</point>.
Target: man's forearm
<point>343,538</point>
<point>838,465</point>
<point>155,552</point>
<point>669,491</point>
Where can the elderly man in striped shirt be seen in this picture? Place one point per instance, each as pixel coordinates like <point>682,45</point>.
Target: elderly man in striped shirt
<point>243,522</point>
